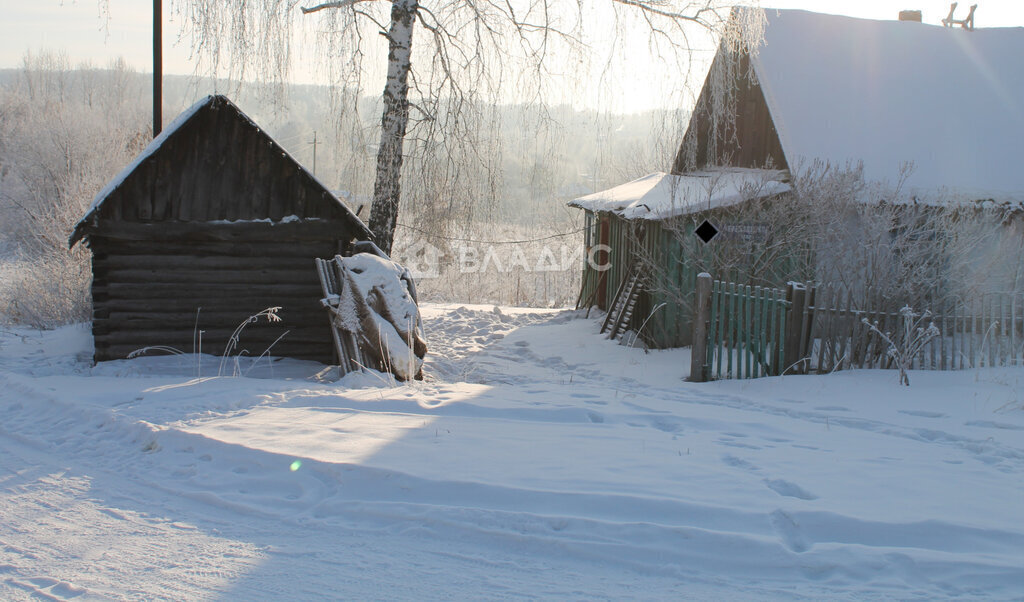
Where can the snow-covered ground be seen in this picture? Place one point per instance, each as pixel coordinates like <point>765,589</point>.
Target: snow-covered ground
<point>538,460</point>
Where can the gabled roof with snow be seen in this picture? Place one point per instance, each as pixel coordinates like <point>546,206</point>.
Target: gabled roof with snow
<point>243,163</point>
<point>660,195</point>
<point>949,100</point>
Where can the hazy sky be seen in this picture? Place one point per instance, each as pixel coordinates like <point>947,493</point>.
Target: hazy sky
<point>78,28</point>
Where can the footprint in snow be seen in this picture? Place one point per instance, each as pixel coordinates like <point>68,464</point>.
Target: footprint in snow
<point>789,531</point>
<point>666,425</point>
<point>730,443</point>
<point>994,425</point>
<point>735,462</point>
<point>922,413</point>
<point>789,489</point>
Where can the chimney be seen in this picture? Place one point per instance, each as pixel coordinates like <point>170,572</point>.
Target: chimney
<point>910,15</point>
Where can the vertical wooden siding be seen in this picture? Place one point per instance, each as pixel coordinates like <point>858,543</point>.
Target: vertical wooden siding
<point>668,325</point>
<point>748,139</point>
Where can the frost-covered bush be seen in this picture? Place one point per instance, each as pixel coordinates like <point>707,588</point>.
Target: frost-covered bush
<point>873,239</point>
<point>783,254</point>
<point>45,290</point>
<point>892,249</point>
<point>63,134</point>
<point>904,346</point>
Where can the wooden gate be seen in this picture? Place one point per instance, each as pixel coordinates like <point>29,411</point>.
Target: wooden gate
<point>745,330</point>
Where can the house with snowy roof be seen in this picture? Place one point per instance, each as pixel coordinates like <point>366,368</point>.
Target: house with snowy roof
<point>936,113</point>
<point>213,222</point>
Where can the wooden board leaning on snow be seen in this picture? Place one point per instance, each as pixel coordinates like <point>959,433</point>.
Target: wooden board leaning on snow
<point>373,312</point>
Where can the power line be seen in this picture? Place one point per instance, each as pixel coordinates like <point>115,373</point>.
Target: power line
<point>491,242</point>
<point>291,138</point>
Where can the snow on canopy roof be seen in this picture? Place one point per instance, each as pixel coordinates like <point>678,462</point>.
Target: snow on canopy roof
<point>660,195</point>
<point>949,100</point>
<point>160,139</point>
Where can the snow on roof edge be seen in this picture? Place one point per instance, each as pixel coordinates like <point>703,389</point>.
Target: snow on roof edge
<point>147,152</point>
<point>660,195</point>
<point>166,133</point>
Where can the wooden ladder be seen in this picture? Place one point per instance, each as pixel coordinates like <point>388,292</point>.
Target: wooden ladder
<point>625,302</point>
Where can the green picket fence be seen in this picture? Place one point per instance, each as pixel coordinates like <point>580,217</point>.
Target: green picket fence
<point>746,331</point>
<point>749,331</point>
<point>982,331</point>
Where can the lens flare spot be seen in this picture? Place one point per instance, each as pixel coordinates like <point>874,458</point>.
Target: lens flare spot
<point>296,465</point>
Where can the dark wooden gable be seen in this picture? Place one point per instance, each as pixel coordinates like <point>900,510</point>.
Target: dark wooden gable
<point>749,140</point>
<point>216,165</point>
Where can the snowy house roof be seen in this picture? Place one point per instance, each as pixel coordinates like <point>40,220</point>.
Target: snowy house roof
<point>660,195</point>
<point>249,175</point>
<point>949,100</point>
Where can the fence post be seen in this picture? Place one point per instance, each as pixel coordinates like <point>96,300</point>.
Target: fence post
<point>701,317</point>
<point>796,294</point>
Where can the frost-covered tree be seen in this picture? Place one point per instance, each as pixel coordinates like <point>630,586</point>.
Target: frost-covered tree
<point>475,50</point>
<point>63,133</point>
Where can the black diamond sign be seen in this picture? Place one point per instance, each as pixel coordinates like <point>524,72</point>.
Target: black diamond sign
<point>706,231</point>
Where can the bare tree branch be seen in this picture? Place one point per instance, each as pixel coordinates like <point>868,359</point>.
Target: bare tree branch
<point>653,7</point>
<point>326,5</point>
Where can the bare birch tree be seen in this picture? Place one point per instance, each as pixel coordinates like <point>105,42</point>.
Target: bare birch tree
<point>474,49</point>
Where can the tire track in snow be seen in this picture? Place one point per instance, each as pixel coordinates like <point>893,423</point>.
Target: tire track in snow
<point>1003,457</point>
<point>673,541</point>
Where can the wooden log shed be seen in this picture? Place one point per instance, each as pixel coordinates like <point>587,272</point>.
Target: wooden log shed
<point>213,222</point>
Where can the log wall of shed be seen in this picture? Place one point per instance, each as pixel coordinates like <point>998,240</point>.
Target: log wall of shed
<point>158,284</point>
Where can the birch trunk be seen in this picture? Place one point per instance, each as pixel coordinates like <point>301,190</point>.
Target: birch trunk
<point>387,188</point>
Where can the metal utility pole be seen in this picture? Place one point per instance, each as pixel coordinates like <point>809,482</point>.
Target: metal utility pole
<point>314,143</point>
<point>158,68</point>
